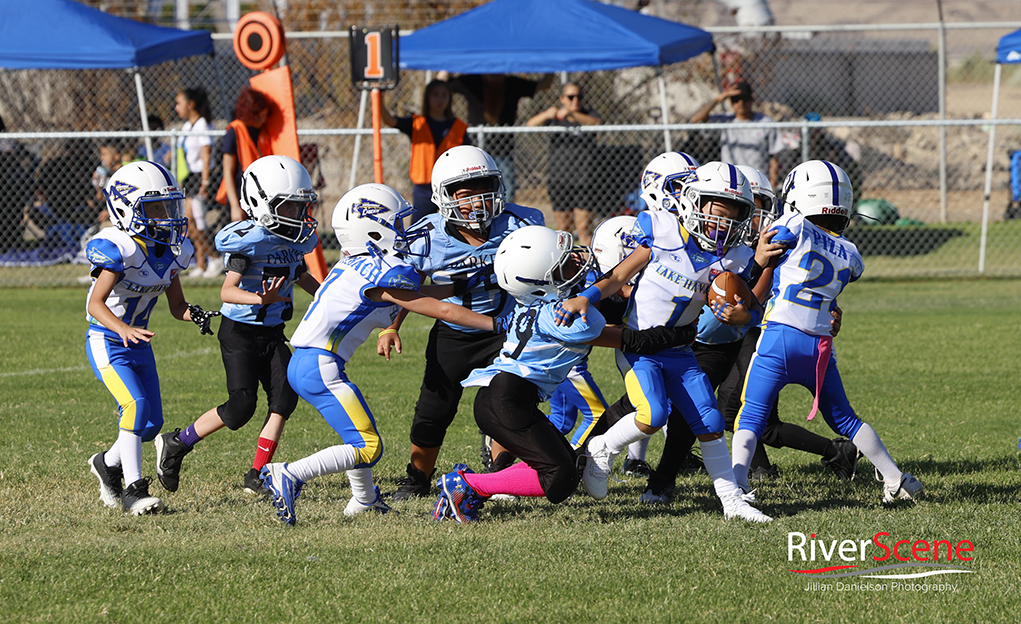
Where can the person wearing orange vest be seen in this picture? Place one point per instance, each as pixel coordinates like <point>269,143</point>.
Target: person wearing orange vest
<point>431,134</point>
<point>243,144</point>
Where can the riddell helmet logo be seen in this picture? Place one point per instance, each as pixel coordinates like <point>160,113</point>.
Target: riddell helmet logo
<point>834,210</point>
<point>473,168</point>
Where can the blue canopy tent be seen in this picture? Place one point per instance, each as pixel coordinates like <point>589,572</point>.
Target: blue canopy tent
<point>63,34</point>
<point>542,36</point>
<point>1007,51</point>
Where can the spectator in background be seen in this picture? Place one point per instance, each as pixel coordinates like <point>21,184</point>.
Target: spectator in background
<point>192,105</point>
<point>160,150</point>
<point>15,190</point>
<point>433,132</point>
<point>570,176</point>
<point>746,146</point>
<point>493,101</point>
<point>112,152</point>
<point>243,144</point>
<point>64,182</point>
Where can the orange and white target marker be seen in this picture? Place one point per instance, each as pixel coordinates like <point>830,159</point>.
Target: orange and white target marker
<point>259,40</point>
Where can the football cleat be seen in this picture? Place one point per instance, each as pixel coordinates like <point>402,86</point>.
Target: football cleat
<point>636,468</point>
<point>599,462</point>
<point>136,500</point>
<point>734,506</point>
<point>657,494</point>
<point>758,473</point>
<point>253,484</point>
<point>285,489</point>
<point>110,480</point>
<point>170,452</point>
<point>414,485</point>
<point>355,506</point>
<point>906,489</point>
<point>462,502</point>
<point>843,459</point>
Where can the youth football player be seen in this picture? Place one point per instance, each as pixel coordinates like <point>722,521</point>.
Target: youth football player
<point>132,265</point>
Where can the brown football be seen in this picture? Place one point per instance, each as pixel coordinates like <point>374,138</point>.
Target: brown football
<point>726,285</point>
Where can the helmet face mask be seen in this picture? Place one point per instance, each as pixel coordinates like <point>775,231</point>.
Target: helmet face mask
<point>767,210</point>
<point>664,178</point>
<point>536,263</point>
<point>473,172</point>
<point>369,219</point>
<point>819,188</point>
<point>717,207</point>
<point>143,200</point>
<point>276,192</point>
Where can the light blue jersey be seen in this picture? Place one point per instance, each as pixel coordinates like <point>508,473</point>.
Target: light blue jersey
<point>450,258</point>
<point>262,256</point>
<point>539,350</point>
<point>713,331</point>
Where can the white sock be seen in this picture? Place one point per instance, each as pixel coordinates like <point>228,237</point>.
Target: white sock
<point>361,485</point>
<point>637,450</point>
<point>868,442</point>
<point>112,458</point>
<point>621,434</point>
<point>130,446</point>
<point>327,461</point>
<point>717,464</point>
<point>744,448</point>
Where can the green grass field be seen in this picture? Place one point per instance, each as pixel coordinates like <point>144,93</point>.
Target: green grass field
<point>931,365</point>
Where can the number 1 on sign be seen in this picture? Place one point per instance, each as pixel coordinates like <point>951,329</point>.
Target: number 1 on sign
<point>374,62</point>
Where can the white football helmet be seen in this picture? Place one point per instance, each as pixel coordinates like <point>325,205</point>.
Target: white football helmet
<point>143,200</point>
<point>536,263</point>
<point>273,185</point>
<point>370,219</point>
<point>766,208</point>
<point>461,165</point>
<point>664,178</point>
<point>612,241</point>
<point>711,181</point>
<point>818,187</point>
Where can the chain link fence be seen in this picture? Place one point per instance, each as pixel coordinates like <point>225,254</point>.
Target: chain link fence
<point>876,94</point>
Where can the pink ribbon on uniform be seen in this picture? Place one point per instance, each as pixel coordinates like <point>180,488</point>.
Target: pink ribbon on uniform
<point>825,348</point>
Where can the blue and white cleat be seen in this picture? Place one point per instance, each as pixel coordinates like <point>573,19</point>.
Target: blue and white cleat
<point>458,500</point>
<point>355,506</point>
<point>285,489</point>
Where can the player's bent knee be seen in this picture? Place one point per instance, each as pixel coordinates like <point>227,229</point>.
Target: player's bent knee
<point>239,409</point>
<point>369,454</point>
<point>559,483</point>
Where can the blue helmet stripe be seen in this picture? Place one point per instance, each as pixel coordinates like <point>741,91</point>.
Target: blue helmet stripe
<point>733,176</point>
<point>836,182</point>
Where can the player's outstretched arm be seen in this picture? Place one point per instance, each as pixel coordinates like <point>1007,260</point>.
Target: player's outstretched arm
<point>101,312</point>
<point>567,311</point>
<point>414,301</point>
<point>231,291</point>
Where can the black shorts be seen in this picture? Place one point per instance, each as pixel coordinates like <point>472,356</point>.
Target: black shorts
<point>450,356</point>
<point>255,355</point>
<point>567,196</point>
<point>508,411</point>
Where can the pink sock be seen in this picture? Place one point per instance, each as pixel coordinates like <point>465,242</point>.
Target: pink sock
<point>518,480</point>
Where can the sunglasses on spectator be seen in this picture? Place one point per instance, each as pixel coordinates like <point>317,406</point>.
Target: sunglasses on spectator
<point>740,98</point>
<point>572,96</point>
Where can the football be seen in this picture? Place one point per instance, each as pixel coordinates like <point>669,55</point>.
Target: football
<point>726,286</point>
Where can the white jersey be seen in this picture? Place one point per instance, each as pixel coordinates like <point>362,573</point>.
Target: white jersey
<point>810,275</point>
<point>340,316</point>
<point>671,290</point>
<point>144,275</point>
